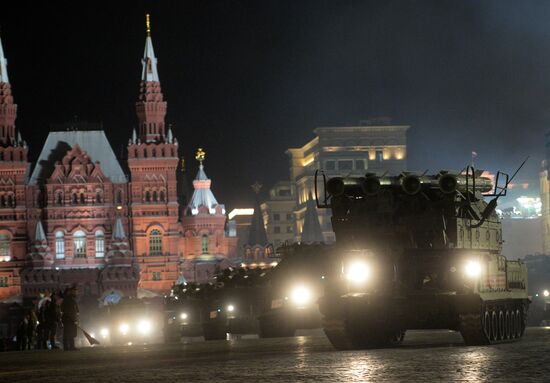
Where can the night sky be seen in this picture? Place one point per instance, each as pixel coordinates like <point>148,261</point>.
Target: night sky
<point>248,79</point>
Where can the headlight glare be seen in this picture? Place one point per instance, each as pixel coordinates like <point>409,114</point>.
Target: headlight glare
<point>300,295</point>
<point>472,269</point>
<point>357,271</point>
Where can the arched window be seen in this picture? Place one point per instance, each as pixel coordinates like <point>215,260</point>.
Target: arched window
<point>155,242</point>
<point>5,254</point>
<point>59,198</point>
<point>154,152</point>
<point>75,198</point>
<point>2,200</point>
<point>205,244</point>
<point>59,245</point>
<point>162,196</point>
<point>155,196</point>
<point>82,198</point>
<point>147,196</point>
<point>79,240</point>
<point>98,198</point>
<point>119,196</point>
<point>11,200</point>
<point>99,244</point>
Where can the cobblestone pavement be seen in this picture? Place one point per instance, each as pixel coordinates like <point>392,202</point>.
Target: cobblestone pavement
<point>425,356</point>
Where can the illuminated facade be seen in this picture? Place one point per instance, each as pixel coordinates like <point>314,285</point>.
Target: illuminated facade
<point>78,217</point>
<point>278,214</point>
<point>376,146</point>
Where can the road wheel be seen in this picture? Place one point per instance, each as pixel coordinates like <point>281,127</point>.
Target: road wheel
<point>501,326</point>
<point>494,326</point>
<point>487,324</point>
<point>507,323</point>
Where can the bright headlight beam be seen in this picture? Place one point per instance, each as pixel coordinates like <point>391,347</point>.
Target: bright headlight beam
<point>300,295</point>
<point>546,293</point>
<point>357,272</point>
<point>472,269</point>
<point>124,328</point>
<point>183,316</point>
<point>230,308</point>
<point>144,327</point>
<point>104,332</point>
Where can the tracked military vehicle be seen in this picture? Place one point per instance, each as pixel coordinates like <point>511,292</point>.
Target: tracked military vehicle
<point>420,252</point>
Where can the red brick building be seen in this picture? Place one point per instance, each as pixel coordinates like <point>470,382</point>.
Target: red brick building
<point>80,216</point>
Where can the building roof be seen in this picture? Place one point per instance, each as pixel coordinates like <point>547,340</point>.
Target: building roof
<point>93,142</point>
<point>3,65</point>
<point>202,196</point>
<point>311,232</point>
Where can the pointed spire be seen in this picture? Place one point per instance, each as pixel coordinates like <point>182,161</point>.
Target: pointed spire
<point>3,65</point>
<point>311,232</point>
<point>119,233</point>
<point>39,235</point>
<point>149,72</point>
<point>169,136</point>
<point>257,235</point>
<point>134,136</point>
<point>19,139</point>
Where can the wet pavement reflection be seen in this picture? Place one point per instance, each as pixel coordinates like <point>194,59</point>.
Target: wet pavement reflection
<point>425,356</point>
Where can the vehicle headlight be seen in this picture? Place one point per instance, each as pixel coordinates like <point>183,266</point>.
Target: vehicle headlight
<point>183,316</point>
<point>104,332</point>
<point>124,328</point>
<point>546,293</point>
<point>144,327</point>
<point>472,269</point>
<point>300,295</point>
<point>230,308</point>
<point>357,271</point>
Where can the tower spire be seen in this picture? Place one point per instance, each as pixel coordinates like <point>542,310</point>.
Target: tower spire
<point>8,110</point>
<point>3,65</point>
<point>151,107</point>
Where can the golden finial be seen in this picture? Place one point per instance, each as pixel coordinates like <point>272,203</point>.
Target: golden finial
<point>256,187</point>
<point>148,24</point>
<point>182,164</point>
<point>200,155</point>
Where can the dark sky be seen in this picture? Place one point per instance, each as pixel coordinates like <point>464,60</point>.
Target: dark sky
<point>248,79</point>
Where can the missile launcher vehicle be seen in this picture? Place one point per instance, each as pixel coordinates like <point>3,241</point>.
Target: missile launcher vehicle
<point>420,252</point>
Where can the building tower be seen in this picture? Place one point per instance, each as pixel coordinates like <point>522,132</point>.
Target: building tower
<point>208,248</point>
<point>153,160</point>
<point>13,171</point>
<point>257,248</point>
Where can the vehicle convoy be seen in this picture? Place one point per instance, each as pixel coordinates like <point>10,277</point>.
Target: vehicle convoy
<point>420,252</point>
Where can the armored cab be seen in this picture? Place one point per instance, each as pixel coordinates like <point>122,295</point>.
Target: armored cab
<point>420,252</point>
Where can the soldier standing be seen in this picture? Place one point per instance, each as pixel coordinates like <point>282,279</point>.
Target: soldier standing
<point>52,318</point>
<point>69,318</point>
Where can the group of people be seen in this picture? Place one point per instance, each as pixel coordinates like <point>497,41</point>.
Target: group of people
<point>38,326</point>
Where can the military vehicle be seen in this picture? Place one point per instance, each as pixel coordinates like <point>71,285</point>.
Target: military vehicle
<point>419,251</point>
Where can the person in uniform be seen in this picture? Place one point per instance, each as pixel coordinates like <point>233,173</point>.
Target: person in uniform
<point>52,318</point>
<point>69,318</point>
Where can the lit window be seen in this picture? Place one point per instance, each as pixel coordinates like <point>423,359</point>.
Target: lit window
<point>99,244</point>
<point>3,281</point>
<point>156,275</point>
<point>79,240</point>
<point>205,244</point>
<point>155,242</point>
<point>59,245</point>
<point>5,255</point>
<point>379,155</point>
